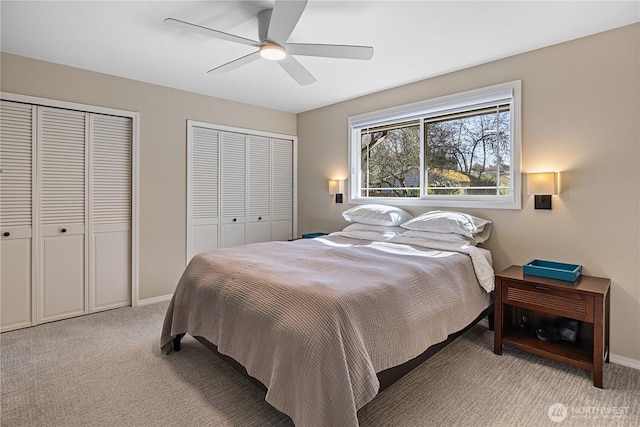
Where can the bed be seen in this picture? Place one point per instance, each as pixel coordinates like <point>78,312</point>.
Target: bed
<point>324,324</point>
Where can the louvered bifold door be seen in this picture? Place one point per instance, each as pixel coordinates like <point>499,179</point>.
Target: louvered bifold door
<point>282,189</point>
<point>110,212</point>
<point>61,277</point>
<point>233,171</point>
<point>16,181</point>
<point>203,191</point>
<point>259,189</point>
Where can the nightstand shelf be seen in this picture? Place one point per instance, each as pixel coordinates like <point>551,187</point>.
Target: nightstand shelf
<point>524,302</point>
<point>579,355</point>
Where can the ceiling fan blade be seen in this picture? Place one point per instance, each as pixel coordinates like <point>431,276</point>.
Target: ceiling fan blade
<point>210,32</point>
<point>330,50</point>
<point>236,63</point>
<point>297,71</point>
<point>284,17</point>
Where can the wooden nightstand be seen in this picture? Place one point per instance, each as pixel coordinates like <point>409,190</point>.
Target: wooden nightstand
<point>524,302</point>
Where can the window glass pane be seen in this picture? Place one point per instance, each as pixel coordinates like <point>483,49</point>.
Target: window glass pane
<point>459,150</point>
<point>468,154</point>
<point>390,160</point>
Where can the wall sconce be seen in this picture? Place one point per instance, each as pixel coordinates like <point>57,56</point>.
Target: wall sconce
<point>336,186</point>
<point>542,185</point>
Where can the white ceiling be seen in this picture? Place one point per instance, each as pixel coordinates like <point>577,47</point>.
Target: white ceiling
<point>412,40</point>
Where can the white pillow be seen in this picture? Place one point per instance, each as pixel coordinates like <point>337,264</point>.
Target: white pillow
<point>483,235</point>
<point>447,222</point>
<point>439,237</point>
<point>376,215</point>
<point>379,228</point>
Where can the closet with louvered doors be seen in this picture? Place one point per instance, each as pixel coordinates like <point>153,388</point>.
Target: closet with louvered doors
<point>240,187</point>
<point>66,213</point>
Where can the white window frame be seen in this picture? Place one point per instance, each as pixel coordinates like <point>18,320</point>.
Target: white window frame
<point>509,92</point>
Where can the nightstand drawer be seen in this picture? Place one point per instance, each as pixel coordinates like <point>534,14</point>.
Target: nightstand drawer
<point>553,301</point>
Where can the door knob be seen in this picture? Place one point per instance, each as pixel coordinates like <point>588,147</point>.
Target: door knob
<point>64,230</point>
<point>6,234</point>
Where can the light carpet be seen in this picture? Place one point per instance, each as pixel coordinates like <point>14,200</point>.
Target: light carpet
<point>106,369</point>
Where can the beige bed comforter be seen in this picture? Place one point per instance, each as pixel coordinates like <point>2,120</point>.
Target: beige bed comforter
<point>315,319</point>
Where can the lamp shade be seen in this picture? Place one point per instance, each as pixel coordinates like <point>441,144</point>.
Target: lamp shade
<point>542,183</point>
<point>336,186</point>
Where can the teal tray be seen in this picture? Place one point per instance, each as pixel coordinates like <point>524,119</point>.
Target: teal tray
<point>313,235</point>
<point>553,270</point>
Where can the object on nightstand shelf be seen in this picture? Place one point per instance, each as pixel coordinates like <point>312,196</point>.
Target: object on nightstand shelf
<point>568,330</point>
<point>565,330</point>
<point>547,333</point>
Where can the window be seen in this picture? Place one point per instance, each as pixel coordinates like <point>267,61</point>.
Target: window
<point>461,150</point>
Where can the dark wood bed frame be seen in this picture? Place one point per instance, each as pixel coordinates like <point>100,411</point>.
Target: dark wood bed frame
<point>386,377</point>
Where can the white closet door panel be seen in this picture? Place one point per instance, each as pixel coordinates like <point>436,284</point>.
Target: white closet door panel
<point>111,270</point>
<point>204,173</point>
<point>204,238</point>
<point>233,234</point>
<point>106,228</point>
<point>259,176</point>
<point>62,166</point>
<point>17,136</point>
<point>258,231</point>
<point>61,231</point>
<point>234,192</point>
<point>15,276</point>
<point>16,159</point>
<point>259,189</point>
<point>63,283</point>
<point>233,167</point>
<point>17,232</point>
<point>205,221</point>
<point>110,169</point>
<point>282,229</point>
<point>203,188</point>
<point>110,212</point>
<point>282,175</point>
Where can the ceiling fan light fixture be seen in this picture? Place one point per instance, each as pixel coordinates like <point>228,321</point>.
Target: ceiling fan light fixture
<point>272,52</point>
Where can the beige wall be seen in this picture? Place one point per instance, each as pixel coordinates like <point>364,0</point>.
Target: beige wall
<point>162,148</point>
<point>581,116</point>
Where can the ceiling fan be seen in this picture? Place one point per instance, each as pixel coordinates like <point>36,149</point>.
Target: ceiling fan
<point>274,28</point>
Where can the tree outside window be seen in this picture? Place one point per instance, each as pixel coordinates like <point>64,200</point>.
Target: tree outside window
<point>468,153</point>
<point>459,150</point>
<point>465,154</point>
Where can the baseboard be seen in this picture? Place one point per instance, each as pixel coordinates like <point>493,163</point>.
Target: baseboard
<point>624,361</point>
<point>161,298</point>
